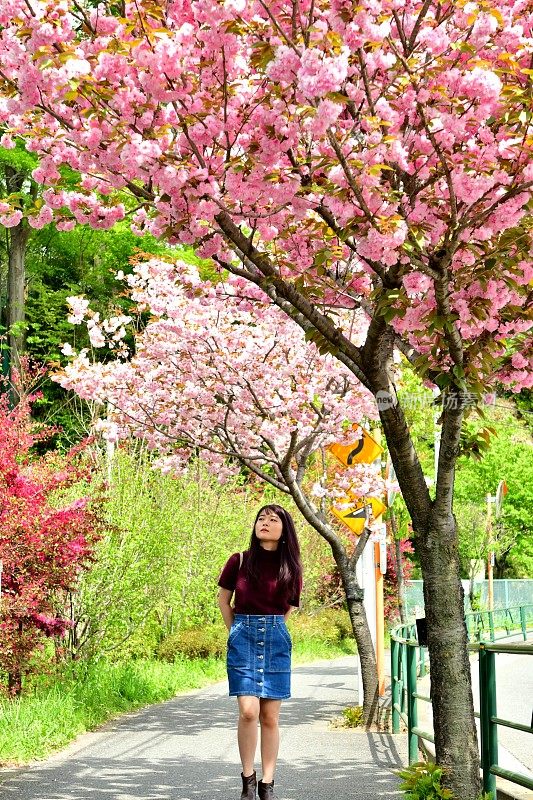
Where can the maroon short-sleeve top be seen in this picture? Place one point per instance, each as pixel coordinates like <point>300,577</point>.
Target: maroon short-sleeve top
<point>264,596</point>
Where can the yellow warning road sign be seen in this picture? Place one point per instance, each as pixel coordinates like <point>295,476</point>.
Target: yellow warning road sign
<point>354,514</point>
<point>353,518</point>
<point>363,451</point>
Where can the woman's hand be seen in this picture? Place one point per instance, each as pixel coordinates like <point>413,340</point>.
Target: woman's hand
<point>289,612</point>
<point>224,603</point>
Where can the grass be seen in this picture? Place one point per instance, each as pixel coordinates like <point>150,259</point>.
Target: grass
<point>50,716</point>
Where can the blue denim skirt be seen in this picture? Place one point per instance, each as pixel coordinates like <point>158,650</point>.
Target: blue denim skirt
<point>259,657</point>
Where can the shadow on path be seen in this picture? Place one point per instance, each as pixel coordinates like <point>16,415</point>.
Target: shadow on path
<point>186,748</point>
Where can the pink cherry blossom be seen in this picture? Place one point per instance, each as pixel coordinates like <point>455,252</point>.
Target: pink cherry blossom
<point>11,220</point>
<point>219,368</point>
<point>348,161</point>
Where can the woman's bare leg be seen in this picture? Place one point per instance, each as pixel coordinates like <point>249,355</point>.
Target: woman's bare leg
<point>247,732</point>
<point>269,717</point>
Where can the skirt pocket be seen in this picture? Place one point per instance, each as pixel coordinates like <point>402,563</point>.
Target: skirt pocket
<point>238,646</point>
<point>279,650</point>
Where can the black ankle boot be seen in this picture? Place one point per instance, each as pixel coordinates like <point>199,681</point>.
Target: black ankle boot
<point>266,791</point>
<point>249,785</point>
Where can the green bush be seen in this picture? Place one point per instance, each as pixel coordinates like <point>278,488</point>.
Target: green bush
<point>422,781</point>
<point>353,717</point>
<point>208,641</point>
<point>330,625</point>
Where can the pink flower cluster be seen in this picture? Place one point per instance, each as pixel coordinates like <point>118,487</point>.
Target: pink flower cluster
<point>311,134</point>
<point>217,368</point>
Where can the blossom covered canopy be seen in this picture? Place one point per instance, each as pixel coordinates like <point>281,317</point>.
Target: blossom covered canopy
<point>220,369</point>
<point>376,153</point>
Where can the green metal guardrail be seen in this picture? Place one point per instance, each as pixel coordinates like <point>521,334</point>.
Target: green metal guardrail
<point>408,662</point>
<point>499,624</point>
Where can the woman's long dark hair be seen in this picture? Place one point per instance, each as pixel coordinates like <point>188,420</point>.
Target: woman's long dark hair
<point>290,568</point>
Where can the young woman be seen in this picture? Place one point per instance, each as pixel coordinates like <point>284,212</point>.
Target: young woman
<point>265,582</point>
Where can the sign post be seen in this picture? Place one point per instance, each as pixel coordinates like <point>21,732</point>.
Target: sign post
<point>380,567</point>
<point>353,512</point>
<point>366,578</point>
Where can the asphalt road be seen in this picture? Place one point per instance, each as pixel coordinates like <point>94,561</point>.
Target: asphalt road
<point>186,749</point>
<point>514,702</point>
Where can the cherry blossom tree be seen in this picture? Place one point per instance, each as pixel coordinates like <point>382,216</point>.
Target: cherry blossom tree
<point>376,154</point>
<point>219,370</point>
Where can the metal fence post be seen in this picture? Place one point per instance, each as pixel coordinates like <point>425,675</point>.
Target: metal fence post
<point>423,670</point>
<point>523,622</point>
<point>403,672</point>
<point>507,624</point>
<point>489,731</point>
<point>412,711</point>
<point>395,687</point>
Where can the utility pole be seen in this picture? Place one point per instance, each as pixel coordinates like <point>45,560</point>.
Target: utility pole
<point>490,555</point>
<point>497,499</point>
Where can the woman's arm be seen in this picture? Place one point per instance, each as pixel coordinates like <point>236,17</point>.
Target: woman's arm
<point>224,603</point>
<point>289,612</point>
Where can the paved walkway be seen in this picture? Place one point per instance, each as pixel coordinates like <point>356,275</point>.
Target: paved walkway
<point>185,749</point>
<point>514,702</point>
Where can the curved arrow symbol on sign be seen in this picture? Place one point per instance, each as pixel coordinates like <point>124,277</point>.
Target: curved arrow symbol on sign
<point>355,452</point>
<point>358,513</point>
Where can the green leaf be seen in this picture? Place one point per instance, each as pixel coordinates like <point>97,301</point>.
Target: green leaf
<point>322,256</point>
<point>263,53</point>
<point>338,97</point>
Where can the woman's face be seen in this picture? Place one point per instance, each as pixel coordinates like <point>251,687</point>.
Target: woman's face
<point>268,529</point>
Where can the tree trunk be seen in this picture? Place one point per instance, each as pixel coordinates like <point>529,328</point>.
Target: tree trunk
<point>14,677</point>
<point>17,243</point>
<point>451,688</point>
<point>18,240</point>
<point>14,683</point>
<point>435,530</point>
<point>400,583</point>
<point>365,646</point>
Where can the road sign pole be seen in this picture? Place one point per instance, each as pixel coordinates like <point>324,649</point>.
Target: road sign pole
<point>380,567</point>
<point>380,620</point>
<point>366,580</point>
